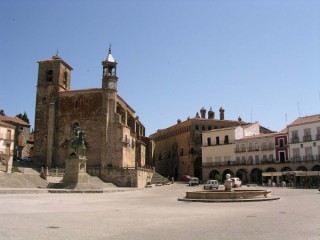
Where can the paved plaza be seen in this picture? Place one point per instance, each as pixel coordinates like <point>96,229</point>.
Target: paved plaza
<point>155,213</point>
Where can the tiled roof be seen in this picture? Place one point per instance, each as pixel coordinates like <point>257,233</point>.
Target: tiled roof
<point>13,120</point>
<point>283,131</point>
<point>262,135</point>
<point>307,119</point>
<point>7,125</point>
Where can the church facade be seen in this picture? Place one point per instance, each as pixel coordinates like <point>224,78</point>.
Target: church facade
<point>115,138</point>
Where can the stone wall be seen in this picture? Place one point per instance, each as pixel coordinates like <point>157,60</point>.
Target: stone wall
<point>83,108</point>
<point>127,177</point>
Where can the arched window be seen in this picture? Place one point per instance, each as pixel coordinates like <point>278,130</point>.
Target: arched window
<point>49,75</point>
<point>65,79</point>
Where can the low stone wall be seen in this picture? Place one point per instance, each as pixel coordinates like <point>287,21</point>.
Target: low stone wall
<point>236,194</point>
<point>127,177</point>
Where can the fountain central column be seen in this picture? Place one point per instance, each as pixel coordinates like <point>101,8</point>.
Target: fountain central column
<point>228,183</point>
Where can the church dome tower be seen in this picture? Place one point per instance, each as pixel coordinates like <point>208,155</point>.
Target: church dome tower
<point>109,73</point>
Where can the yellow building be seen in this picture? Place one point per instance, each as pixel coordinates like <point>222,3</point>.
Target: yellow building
<point>177,149</point>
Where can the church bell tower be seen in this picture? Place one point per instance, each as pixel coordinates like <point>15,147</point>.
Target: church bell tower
<point>54,76</point>
<point>109,78</point>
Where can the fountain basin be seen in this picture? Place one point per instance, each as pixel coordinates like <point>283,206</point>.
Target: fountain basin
<point>228,196</point>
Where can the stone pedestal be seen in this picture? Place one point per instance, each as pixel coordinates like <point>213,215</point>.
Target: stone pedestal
<point>75,172</point>
<point>228,183</point>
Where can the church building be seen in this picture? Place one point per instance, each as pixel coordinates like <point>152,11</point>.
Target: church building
<point>115,138</point>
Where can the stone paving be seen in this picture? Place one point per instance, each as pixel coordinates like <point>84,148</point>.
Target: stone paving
<point>155,213</point>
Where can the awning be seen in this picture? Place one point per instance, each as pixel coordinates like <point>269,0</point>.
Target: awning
<point>291,173</point>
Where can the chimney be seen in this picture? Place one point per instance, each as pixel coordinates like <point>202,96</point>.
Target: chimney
<point>178,121</point>
<point>203,112</point>
<point>221,110</point>
<point>210,114</point>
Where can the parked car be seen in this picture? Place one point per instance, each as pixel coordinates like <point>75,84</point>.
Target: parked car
<point>26,159</point>
<point>236,182</point>
<point>194,181</point>
<point>186,178</point>
<point>211,184</point>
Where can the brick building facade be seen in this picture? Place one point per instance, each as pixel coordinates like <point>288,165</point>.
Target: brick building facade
<point>115,137</point>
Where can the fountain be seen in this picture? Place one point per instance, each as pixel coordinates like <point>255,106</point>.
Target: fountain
<point>229,194</point>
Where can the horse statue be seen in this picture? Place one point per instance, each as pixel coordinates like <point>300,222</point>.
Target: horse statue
<point>77,141</point>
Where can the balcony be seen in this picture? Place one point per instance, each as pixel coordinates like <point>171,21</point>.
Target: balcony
<point>295,139</point>
<point>239,163</point>
<point>265,148</point>
<point>310,157</point>
<point>307,138</point>
<point>240,150</point>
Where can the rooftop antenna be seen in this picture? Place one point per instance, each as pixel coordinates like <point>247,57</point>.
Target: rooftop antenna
<point>286,119</point>
<point>298,105</point>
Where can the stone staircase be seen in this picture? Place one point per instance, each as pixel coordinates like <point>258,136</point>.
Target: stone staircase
<point>20,180</point>
<point>158,179</point>
<point>30,178</point>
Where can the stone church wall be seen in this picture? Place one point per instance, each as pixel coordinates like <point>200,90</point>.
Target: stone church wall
<point>84,108</point>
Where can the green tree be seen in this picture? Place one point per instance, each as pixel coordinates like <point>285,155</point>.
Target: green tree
<point>23,117</point>
<point>2,113</point>
<point>217,177</point>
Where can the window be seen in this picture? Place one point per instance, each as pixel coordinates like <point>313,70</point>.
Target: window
<point>296,154</point>
<point>318,133</point>
<point>237,148</point>
<point>209,141</point>
<point>49,75</point>
<point>264,146</point>
<point>281,142</point>
<point>256,158</point>
<point>8,137</point>
<point>243,147</point>
<point>197,127</point>
<point>295,137</point>
<point>256,146</point>
<point>250,146</point>
<point>203,127</point>
<point>217,141</point>
<point>65,79</point>
<point>226,139</point>
<point>307,134</point>
<point>308,153</point>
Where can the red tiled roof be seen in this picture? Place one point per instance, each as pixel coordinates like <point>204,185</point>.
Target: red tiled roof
<point>261,135</point>
<point>13,120</point>
<point>7,125</point>
<point>304,120</point>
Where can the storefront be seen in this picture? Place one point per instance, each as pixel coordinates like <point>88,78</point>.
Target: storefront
<point>298,179</point>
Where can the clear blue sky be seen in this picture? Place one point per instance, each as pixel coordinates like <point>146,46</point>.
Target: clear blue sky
<point>257,59</point>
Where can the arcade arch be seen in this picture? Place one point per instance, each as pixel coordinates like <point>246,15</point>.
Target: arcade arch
<point>302,168</point>
<point>213,174</point>
<point>225,172</point>
<point>286,169</point>
<point>256,176</point>
<point>315,168</point>
<point>243,175</point>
